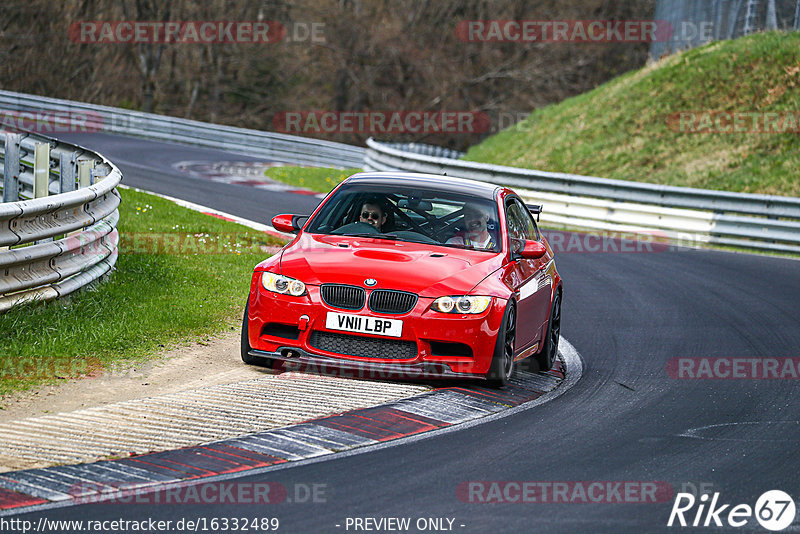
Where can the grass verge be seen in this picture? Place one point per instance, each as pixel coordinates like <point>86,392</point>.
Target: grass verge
<point>319,179</point>
<point>627,128</point>
<point>180,275</point>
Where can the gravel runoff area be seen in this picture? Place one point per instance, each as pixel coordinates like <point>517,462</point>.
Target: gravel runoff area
<point>192,395</point>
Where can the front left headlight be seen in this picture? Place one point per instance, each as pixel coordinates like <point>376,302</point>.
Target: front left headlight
<point>282,284</point>
<point>461,304</point>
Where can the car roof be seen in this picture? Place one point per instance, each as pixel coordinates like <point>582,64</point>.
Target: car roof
<point>434,181</point>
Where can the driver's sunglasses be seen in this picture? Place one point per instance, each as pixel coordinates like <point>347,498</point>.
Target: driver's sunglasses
<point>371,215</point>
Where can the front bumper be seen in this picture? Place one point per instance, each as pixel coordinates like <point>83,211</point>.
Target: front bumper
<point>298,360</point>
<point>425,330</point>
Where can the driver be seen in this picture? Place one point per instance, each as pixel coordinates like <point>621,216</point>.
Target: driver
<point>372,213</point>
<point>476,234</point>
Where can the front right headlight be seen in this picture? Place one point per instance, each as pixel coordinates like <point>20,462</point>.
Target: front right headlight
<point>284,285</point>
<point>461,304</point>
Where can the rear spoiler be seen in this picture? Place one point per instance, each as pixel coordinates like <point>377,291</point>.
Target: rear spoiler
<point>536,209</point>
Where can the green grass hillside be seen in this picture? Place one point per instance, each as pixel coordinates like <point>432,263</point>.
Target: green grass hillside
<point>629,129</point>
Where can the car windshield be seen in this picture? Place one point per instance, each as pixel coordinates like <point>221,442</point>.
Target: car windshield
<point>415,215</point>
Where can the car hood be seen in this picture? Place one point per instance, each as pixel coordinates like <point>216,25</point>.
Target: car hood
<point>428,270</point>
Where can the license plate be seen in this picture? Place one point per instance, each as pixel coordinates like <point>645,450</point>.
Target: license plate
<point>364,324</point>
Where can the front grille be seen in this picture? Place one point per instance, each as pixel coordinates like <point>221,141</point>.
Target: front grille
<point>366,347</point>
<point>342,296</point>
<point>389,301</point>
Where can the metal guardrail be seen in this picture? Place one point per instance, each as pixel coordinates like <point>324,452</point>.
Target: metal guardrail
<point>762,222</point>
<point>59,213</point>
<point>268,145</point>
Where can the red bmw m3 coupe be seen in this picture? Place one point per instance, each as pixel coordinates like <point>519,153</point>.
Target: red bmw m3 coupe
<point>410,275</point>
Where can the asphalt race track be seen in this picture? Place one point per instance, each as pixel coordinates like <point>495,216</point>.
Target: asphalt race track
<point>151,165</point>
<point>627,420</point>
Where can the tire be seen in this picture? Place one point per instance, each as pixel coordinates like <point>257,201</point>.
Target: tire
<point>502,366</point>
<point>547,357</point>
<point>245,344</point>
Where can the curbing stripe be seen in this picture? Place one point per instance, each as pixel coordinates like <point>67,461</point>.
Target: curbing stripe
<point>195,458</point>
<point>122,472</point>
<point>156,472</point>
<point>135,471</point>
<point>32,490</point>
<point>449,407</point>
<point>77,488</point>
<point>183,471</point>
<point>257,459</point>
<point>440,409</point>
<point>252,443</point>
<point>331,438</point>
<point>154,465</point>
<point>383,423</point>
<point>285,448</point>
<point>300,447</point>
<point>12,499</point>
<point>35,480</point>
<point>93,473</point>
<point>80,477</point>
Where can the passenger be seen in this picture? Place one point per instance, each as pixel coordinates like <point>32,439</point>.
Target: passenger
<point>476,233</point>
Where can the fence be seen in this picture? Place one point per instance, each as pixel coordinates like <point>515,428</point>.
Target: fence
<point>58,218</point>
<point>684,215</point>
<point>696,22</point>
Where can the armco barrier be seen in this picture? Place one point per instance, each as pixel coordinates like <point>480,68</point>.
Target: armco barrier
<point>763,222</point>
<point>59,212</point>
<point>267,145</point>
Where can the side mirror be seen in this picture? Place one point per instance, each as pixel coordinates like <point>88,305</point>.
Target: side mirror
<point>533,250</point>
<point>288,223</point>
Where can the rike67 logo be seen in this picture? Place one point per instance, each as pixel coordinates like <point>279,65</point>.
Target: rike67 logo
<point>774,510</point>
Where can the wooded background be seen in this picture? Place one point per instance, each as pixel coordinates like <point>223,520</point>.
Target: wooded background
<point>378,55</point>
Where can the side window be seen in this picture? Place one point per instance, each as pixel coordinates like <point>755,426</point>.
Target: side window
<point>520,225</point>
<point>533,230</point>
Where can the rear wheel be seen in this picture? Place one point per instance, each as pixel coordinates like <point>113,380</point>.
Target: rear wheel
<point>245,344</point>
<point>549,353</point>
<point>502,366</point>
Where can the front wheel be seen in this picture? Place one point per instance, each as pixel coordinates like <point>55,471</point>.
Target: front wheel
<point>502,366</point>
<point>547,357</point>
<point>245,345</point>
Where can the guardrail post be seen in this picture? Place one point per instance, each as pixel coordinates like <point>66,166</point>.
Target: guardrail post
<point>41,170</point>
<point>98,174</point>
<point>66,168</point>
<point>85,173</point>
<point>11,169</point>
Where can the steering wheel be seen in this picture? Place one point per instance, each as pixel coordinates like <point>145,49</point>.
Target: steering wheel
<point>416,227</point>
<point>357,227</point>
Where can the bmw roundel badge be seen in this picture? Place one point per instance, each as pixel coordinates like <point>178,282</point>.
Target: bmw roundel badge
<point>370,282</point>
